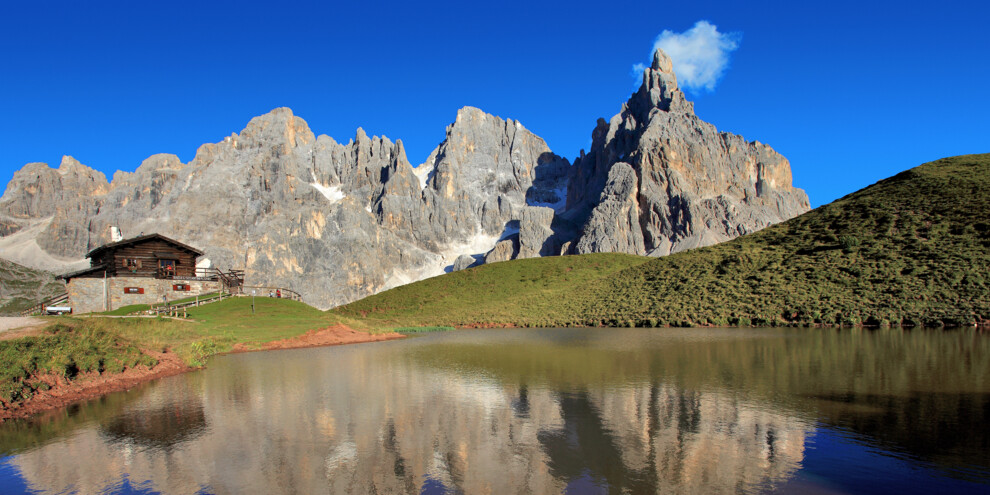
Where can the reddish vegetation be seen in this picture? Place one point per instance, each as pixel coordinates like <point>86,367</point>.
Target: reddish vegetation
<point>335,335</point>
<point>91,385</point>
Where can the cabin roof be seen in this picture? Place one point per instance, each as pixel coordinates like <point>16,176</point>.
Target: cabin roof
<point>84,271</point>
<point>142,238</point>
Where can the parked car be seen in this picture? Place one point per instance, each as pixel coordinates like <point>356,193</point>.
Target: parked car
<point>57,310</point>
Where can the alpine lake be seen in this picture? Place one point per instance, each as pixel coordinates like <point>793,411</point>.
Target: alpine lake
<point>636,410</point>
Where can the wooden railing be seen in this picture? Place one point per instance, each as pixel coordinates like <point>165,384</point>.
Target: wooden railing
<point>208,273</point>
<point>266,291</point>
<point>40,307</point>
<point>232,280</point>
<point>179,309</point>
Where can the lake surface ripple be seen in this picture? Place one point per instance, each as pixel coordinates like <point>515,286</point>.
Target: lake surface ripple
<point>540,411</point>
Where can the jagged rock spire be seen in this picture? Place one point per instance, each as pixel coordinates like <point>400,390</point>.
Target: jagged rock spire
<point>658,179</point>
<point>659,89</point>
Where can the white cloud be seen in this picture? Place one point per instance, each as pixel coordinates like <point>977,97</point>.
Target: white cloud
<point>700,55</point>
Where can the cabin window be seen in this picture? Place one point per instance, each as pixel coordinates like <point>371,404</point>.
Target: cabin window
<point>132,265</point>
<point>167,266</point>
<point>180,287</point>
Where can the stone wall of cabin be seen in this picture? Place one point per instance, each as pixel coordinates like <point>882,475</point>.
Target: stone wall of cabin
<point>86,294</point>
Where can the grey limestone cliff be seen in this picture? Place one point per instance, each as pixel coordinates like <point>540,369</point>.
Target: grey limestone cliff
<point>659,180</point>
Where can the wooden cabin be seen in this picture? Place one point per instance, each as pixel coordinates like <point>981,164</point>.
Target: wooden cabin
<point>142,270</point>
<point>152,256</point>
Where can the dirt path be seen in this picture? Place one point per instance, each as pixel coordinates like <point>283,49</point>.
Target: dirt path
<point>12,327</point>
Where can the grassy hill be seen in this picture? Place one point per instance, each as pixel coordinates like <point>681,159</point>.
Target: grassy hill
<point>22,287</point>
<point>507,293</point>
<point>912,249</point>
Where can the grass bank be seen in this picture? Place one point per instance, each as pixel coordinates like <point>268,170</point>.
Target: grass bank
<point>422,329</point>
<point>74,346</point>
<point>29,364</point>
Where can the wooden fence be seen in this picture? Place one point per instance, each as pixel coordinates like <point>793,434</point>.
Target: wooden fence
<point>264,291</point>
<point>181,309</point>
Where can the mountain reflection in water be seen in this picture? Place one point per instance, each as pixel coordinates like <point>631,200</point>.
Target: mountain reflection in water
<point>159,428</point>
<point>542,411</point>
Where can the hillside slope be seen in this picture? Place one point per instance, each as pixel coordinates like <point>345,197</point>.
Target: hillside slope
<point>914,247</point>
<point>506,293</point>
<point>911,249</point>
<point>22,287</point>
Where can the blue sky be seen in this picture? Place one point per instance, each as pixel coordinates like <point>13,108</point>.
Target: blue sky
<point>850,92</point>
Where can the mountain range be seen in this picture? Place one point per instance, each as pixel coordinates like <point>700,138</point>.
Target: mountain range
<point>337,222</point>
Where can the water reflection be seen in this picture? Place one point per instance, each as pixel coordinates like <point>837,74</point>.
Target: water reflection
<point>946,429</point>
<point>669,440</point>
<point>157,428</point>
<point>577,411</point>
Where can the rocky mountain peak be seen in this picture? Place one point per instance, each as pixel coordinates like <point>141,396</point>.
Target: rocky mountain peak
<point>662,62</point>
<point>467,114</point>
<point>154,168</point>
<point>278,126</point>
<point>659,89</point>
<point>69,165</point>
<point>82,179</point>
<point>658,179</point>
<point>160,161</point>
<point>400,152</point>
